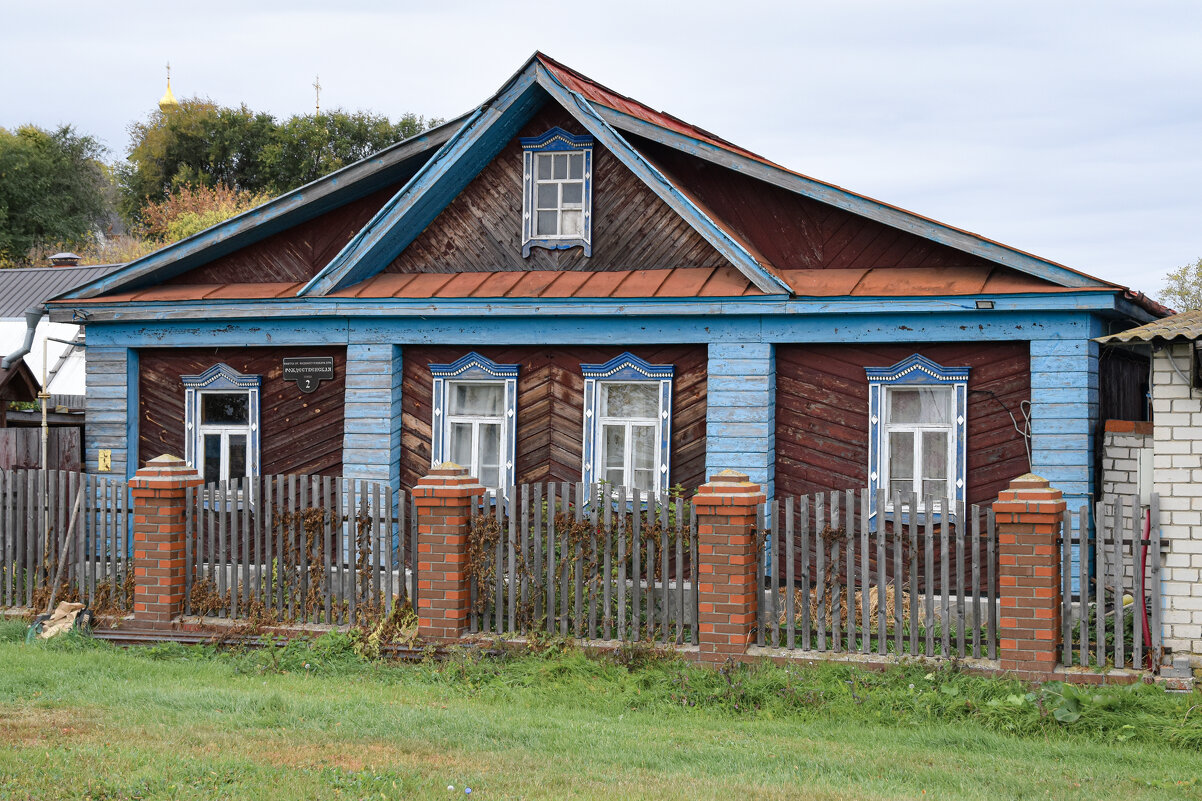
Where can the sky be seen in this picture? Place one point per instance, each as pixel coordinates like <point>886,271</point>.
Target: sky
<point>1071,130</point>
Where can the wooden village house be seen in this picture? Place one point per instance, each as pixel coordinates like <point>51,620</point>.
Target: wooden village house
<point>565,284</point>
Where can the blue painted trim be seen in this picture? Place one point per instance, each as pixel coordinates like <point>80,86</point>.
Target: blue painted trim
<point>556,139</point>
<point>433,187</point>
<point>220,377</point>
<point>598,328</point>
<point>308,307</point>
<point>474,367</point>
<point>857,204</point>
<point>915,370</point>
<point>716,235</point>
<point>133,414</point>
<point>626,368</point>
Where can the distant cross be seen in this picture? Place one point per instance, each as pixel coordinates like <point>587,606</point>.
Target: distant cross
<point>317,90</point>
<point>168,73</point>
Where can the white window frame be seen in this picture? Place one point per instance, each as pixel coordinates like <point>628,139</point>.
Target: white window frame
<point>474,369</point>
<point>556,142</point>
<point>627,369</point>
<point>225,380</point>
<point>916,372</point>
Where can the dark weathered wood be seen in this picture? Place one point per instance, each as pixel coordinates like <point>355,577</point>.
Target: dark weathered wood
<point>1066,584</point>
<point>976,582</point>
<point>820,586</point>
<point>822,413</point>
<point>632,227</point>
<point>1100,559</point>
<point>790,584</point>
<point>991,567</point>
<point>550,407</point>
<point>928,576</point>
<point>961,531</point>
<point>850,511</point>
<point>300,433</point>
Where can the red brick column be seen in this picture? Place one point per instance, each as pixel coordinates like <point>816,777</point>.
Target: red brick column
<point>728,590</point>
<point>445,500</point>
<point>1029,515</point>
<point>158,492</point>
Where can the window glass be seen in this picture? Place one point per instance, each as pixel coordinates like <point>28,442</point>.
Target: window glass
<point>615,453</point>
<point>224,408</point>
<point>643,456</point>
<point>561,166</point>
<point>548,195</point>
<point>571,223</point>
<point>543,164</point>
<point>922,406</point>
<point>545,225</point>
<point>481,400</point>
<point>212,458</point>
<point>460,445</point>
<point>630,400</point>
<point>576,166</point>
<point>237,455</point>
<point>573,196</point>
<point>901,462</point>
<point>490,454</point>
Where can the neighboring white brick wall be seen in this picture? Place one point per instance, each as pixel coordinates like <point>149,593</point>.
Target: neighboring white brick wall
<point>1120,456</point>
<point>1177,477</point>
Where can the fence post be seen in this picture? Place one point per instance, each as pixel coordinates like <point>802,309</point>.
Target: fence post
<point>446,500</point>
<point>1029,514</point>
<point>158,506</point>
<point>726,572</point>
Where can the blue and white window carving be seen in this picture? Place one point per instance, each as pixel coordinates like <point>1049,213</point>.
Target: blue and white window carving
<point>557,208</point>
<point>628,423</point>
<point>916,444</point>
<point>221,423</point>
<point>475,407</point>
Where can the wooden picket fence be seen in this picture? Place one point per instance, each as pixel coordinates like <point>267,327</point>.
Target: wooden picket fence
<point>1100,628</point>
<point>897,582</point>
<point>316,549</point>
<point>594,562</point>
<point>71,527</point>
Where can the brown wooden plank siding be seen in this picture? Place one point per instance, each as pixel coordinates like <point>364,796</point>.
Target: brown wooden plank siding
<point>481,230</point>
<point>296,254</point>
<point>796,232</point>
<point>300,433</point>
<point>822,413</point>
<point>550,407</point>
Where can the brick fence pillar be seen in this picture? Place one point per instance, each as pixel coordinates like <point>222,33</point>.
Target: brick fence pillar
<point>158,493</point>
<point>728,589</point>
<point>446,499</point>
<point>1029,515</point>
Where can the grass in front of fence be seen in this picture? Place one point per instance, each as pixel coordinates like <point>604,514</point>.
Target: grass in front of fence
<point>81,719</point>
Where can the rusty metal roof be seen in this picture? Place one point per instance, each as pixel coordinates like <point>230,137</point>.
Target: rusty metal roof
<point>33,286</point>
<point>1184,326</point>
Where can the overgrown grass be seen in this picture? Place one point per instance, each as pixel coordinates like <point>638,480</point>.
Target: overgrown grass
<point>314,719</point>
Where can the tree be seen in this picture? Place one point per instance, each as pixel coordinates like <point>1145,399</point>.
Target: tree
<point>52,191</point>
<point>202,144</point>
<point>1183,288</point>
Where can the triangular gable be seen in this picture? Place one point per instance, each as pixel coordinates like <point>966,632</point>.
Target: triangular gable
<point>480,230</point>
<point>403,219</point>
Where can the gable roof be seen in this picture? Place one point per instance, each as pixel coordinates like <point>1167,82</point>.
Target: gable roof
<point>443,161</point>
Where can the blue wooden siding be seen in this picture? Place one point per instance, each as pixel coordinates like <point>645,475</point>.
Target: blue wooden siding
<point>111,407</point>
<point>372,437</point>
<point>740,425</point>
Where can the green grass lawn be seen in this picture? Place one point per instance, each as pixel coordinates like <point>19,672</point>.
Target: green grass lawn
<point>84,720</point>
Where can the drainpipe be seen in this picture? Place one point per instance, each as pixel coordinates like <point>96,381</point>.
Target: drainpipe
<point>33,316</point>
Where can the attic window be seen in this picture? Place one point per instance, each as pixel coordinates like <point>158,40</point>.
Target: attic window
<point>557,195</point>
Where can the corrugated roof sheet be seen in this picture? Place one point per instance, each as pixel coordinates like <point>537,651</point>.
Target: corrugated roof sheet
<point>1184,326</point>
<point>32,286</point>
